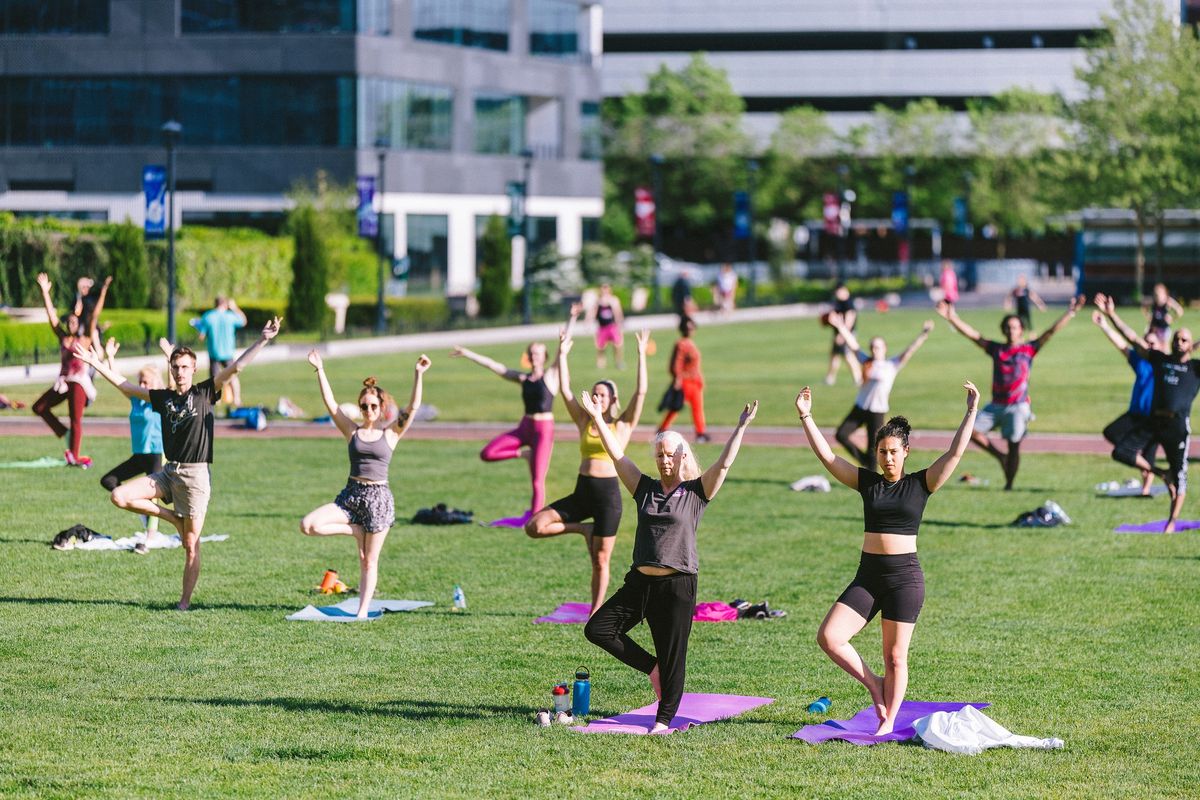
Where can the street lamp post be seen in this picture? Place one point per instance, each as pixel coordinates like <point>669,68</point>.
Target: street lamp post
<point>171,131</point>
<point>656,162</point>
<point>526,289</point>
<point>381,147</point>
<point>910,173</point>
<point>843,219</point>
<point>752,255</point>
<point>969,232</point>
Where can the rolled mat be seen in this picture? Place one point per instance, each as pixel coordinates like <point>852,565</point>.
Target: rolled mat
<point>694,709</point>
<point>860,729</point>
<point>346,610</point>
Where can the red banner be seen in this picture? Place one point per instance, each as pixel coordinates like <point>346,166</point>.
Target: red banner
<point>832,211</point>
<point>644,211</point>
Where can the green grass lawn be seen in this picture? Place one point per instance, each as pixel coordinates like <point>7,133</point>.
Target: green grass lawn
<point>1072,632</point>
<point>1079,382</point>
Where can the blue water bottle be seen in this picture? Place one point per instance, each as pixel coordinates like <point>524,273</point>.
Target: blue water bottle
<point>581,693</point>
<point>819,706</point>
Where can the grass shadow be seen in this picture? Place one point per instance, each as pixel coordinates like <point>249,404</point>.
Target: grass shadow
<point>408,709</point>
<point>169,606</point>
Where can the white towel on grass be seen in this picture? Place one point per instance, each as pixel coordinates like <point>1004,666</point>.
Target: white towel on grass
<point>159,542</point>
<point>969,731</point>
<point>346,610</point>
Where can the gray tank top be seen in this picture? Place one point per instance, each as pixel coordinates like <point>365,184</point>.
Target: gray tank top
<point>369,460</point>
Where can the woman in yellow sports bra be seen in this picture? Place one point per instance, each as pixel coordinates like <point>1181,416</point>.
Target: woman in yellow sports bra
<point>597,494</point>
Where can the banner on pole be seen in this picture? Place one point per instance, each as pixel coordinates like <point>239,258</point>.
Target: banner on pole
<point>516,208</point>
<point>741,215</point>
<point>368,220</point>
<point>831,211</point>
<point>645,212</point>
<point>154,188</point>
<point>900,213</point>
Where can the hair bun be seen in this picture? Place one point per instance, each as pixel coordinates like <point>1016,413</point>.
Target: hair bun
<point>901,423</point>
<point>370,382</point>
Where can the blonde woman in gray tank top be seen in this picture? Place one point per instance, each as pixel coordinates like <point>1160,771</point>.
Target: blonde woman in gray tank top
<point>365,509</point>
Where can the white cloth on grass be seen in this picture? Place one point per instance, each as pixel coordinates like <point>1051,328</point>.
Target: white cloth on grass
<point>969,731</point>
<point>811,483</point>
<point>346,610</point>
<point>159,542</point>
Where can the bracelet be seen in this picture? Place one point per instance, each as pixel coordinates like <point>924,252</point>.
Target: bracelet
<point>805,416</point>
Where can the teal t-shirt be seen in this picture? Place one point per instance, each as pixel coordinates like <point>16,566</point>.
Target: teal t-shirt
<point>145,427</point>
<point>219,329</point>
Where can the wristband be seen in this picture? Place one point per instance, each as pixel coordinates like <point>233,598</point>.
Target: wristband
<point>805,416</point>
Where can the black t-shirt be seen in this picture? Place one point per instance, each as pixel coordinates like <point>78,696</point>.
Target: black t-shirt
<point>1175,383</point>
<point>893,507</point>
<point>843,307</point>
<point>187,422</point>
<point>666,526</point>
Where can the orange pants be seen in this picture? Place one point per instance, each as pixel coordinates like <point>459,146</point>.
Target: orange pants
<point>693,395</point>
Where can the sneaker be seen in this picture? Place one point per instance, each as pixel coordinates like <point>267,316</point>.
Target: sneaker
<point>65,544</point>
<point>564,718</point>
<point>702,437</point>
<point>141,549</point>
<point>70,457</point>
<point>83,462</point>
<point>542,718</point>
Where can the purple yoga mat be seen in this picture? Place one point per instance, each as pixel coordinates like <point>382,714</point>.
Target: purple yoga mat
<point>511,522</point>
<point>860,729</point>
<point>578,613</point>
<point>695,709</point>
<point>1157,527</point>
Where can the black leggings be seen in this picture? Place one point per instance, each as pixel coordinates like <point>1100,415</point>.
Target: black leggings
<point>1131,434</point>
<point>136,464</point>
<point>857,418</point>
<point>667,603</point>
<point>595,498</point>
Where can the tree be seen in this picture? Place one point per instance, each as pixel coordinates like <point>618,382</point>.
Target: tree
<point>799,165</point>
<point>131,274</point>
<point>310,271</point>
<point>495,278</point>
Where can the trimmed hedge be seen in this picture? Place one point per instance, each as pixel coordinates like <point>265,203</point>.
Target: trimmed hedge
<point>404,314</point>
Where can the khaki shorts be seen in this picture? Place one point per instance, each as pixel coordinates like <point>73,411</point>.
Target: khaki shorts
<point>185,485</point>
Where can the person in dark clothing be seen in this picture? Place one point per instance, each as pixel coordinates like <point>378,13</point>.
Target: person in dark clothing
<point>187,427</point>
<point>889,578</point>
<point>1019,300</point>
<point>839,351</point>
<point>661,585</point>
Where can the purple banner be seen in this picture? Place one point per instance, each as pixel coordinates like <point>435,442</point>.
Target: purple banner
<point>368,220</point>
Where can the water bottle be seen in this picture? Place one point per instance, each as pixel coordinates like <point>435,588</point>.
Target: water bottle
<point>562,700</point>
<point>460,599</point>
<point>581,694</point>
<point>819,706</point>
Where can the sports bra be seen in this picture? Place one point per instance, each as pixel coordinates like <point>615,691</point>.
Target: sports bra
<point>893,507</point>
<point>537,396</point>
<point>605,314</point>
<point>369,460</point>
<point>590,445</point>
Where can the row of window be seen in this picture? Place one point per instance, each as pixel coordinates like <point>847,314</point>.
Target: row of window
<point>809,41</point>
<point>553,24</point>
<point>271,111</point>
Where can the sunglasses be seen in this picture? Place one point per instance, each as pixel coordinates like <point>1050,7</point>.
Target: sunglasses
<point>367,406</point>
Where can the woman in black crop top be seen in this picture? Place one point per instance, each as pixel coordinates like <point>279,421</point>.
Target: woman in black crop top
<point>365,509</point>
<point>536,429</point>
<point>889,578</point>
<point>661,586</point>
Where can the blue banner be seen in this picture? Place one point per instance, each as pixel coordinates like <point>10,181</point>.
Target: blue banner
<point>516,208</point>
<point>900,213</point>
<point>741,215</point>
<point>368,220</point>
<point>154,188</point>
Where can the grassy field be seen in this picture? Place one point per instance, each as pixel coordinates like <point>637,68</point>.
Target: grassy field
<point>1079,381</point>
<point>1071,632</point>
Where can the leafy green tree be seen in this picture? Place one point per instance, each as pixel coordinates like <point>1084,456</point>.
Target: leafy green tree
<point>495,279</point>
<point>799,165</point>
<point>131,273</point>
<point>310,271</point>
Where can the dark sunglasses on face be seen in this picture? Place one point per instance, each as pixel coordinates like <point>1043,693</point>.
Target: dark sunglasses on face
<point>367,406</point>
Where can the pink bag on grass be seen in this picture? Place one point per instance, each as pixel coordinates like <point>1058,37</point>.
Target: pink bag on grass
<point>714,612</point>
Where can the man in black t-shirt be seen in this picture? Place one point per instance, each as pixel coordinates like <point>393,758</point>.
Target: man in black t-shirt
<point>187,426</point>
<point>1176,383</point>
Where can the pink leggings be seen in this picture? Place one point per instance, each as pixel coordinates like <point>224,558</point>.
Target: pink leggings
<point>538,436</point>
<point>76,400</point>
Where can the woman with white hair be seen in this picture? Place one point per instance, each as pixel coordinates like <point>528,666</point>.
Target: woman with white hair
<point>661,586</point>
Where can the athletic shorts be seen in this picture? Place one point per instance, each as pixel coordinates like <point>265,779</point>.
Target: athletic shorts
<point>891,585</point>
<point>1174,433</point>
<point>187,486</point>
<point>609,334</point>
<point>370,506</point>
<point>215,365</point>
<point>839,347</point>
<point>1012,419</point>
<point>598,499</point>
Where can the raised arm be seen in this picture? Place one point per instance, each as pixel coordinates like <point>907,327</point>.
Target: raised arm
<point>838,467</point>
<point>619,313</point>
<point>1061,322</point>
<point>633,412</point>
<point>164,344</point>
<point>627,471</point>
<point>486,363</point>
<point>551,377</point>
<point>94,322</point>
<point>917,342</point>
<point>233,306</point>
<point>88,355</point>
<point>946,311</point>
<point>110,353</point>
<point>269,332</point>
<point>578,415</point>
<point>43,282</point>
<point>408,414</point>
<point>1114,337</point>
<point>713,477</point>
<point>1106,304</point>
<point>838,322</point>
<point>1037,300</point>
<point>940,470</point>
<point>343,423</point>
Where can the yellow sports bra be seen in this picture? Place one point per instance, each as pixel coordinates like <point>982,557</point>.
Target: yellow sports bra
<point>590,445</point>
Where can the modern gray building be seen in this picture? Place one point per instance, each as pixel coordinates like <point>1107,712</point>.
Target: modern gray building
<point>451,92</point>
<point>846,56</point>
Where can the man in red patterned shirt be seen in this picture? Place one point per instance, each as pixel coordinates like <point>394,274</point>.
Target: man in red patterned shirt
<point>1011,361</point>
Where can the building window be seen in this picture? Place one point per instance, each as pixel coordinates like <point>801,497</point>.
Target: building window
<point>467,23</point>
<point>428,253</point>
<point>33,17</point>
<point>554,28</point>
<point>590,228</point>
<point>285,16</point>
<point>499,124</point>
<point>409,116</point>
<point>542,232</point>
<point>591,139</point>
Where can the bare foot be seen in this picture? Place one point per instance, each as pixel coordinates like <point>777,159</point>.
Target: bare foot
<point>182,606</point>
<point>875,687</point>
<point>1170,528</point>
<point>526,453</point>
<point>884,728</point>
<point>656,682</point>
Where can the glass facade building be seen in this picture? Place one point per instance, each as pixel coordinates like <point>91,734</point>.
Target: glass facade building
<point>285,16</point>
<point>554,28</point>
<point>49,17</point>
<point>408,116</point>
<point>468,23</point>
<point>499,124</point>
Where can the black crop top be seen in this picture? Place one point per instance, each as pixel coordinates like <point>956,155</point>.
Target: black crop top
<point>892,507</point>
<point>605,314</point>
<point>537,396</point>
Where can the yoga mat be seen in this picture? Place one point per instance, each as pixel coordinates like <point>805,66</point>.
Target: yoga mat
<point>578,613</point>
<point>345,611</point>
<point>1136,491</point>
<point>694,709</point>
<point>38,463</point>
<point>510,522</point>
<point>159,542</point>
<point>1158,526</point>
<point>860,729</point>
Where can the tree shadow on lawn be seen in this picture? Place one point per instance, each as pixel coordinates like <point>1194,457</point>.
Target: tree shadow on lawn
<point>169,606</point>
<point>408,709</point>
